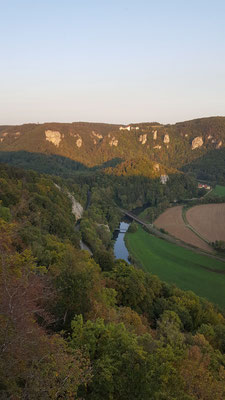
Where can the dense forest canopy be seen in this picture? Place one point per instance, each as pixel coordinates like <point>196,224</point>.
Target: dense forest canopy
<point>76,326</point>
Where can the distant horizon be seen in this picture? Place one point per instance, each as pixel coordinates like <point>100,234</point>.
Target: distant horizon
<point>111,123</point>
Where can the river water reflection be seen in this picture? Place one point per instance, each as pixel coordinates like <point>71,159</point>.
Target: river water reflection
<point>120,250</point>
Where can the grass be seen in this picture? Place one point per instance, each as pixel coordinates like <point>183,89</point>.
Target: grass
<point>176,265</point>
<point>218,191</point>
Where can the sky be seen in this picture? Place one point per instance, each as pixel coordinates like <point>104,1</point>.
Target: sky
<point>116,61</point>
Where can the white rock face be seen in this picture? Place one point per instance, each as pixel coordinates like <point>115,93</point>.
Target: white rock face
<point>157,147</point>
<point>79,142</point>
<point>219,144</point>
<point>77,137</point>
<point>197,142</point>
<point>53,137</point>
<point>77,208</point>
<point>113,142</point>
<point>143,138</point>
<point>97,135</point>
<point>154,135</point>
<point>166,139</point>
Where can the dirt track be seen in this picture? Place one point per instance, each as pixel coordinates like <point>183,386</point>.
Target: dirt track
<point>208,220</point>
<point>171,220</point>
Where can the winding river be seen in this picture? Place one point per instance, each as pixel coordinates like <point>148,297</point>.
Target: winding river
<point>120,250</point>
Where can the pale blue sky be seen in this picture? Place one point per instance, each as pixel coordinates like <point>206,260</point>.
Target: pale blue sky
<point>111,61</point>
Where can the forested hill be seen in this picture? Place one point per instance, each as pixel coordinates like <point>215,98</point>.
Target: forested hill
<point>93,144</point>
<point>79,327</point>
<point>140,167</point>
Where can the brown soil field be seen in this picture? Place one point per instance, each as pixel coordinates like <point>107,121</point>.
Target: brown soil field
<point>208,220</point>
<point>171,220</point>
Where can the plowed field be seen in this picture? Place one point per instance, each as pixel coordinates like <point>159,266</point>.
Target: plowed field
<point>171,220</point>
<point>208,220</point>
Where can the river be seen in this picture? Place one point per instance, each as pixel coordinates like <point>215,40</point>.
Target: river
<point>120,250</point>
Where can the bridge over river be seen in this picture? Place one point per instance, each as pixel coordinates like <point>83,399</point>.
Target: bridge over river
<point>135,218</point>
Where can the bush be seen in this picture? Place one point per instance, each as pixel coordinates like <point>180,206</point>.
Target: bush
<point>132,228</point>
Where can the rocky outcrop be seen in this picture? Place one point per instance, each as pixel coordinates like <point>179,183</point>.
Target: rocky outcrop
<point>219,144</point>
<point>113,142</point>
<point>157,147</point>
<point>197,142</point>
<point>166,139</point>
<point>79,141</point>
<point>77,208</point>
<point>154,135</point>
<point>97,135</point>
<point>143,138</point>
<point>53,137</point>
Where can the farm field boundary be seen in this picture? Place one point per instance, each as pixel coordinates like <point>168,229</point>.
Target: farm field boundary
<point>173,222</point>
<point>208,221</point>
<point>189,226</point>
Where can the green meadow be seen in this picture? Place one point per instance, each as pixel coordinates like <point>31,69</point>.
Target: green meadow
<point>218,191</point>
<point>177,265</point>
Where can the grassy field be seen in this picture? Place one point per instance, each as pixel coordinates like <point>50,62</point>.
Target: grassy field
<point>173,264</point>
<point>218,191</point>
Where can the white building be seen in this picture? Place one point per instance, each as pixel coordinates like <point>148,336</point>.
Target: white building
<point>128,128</point>
<point>125,128</point>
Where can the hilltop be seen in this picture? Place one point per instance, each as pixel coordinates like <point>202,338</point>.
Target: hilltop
<point>143,167</point>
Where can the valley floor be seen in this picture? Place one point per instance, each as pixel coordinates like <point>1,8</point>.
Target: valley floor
<point>176,265</point>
